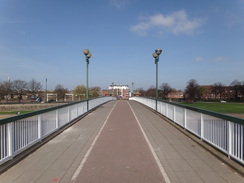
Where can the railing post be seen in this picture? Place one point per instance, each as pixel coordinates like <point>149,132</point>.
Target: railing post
<point>202,126</point>
<point>174,114</point>
<point>57,121</point>
<point>159,107</point>
<point>39,127</point>
<point>185,118</point>
<point>77,110</point>
<point>229,140</point>
<point>166,110</point>
<point>68,114</point>
<point>10,140</point>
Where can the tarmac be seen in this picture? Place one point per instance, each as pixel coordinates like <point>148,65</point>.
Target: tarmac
<point>123,141</point>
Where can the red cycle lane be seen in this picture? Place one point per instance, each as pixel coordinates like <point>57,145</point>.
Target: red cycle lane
<point>121,153</point>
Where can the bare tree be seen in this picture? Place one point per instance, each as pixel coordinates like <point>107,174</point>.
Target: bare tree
<point>34,87</point>
<point>141,91</point>
<point>1,91</point>
<point>20,87</point>
<point>60,91</point>
<point>165,90</point>
<point>235,86</point>
<point>7,89</point>
<point>94,91</point>
<point>242,89</point>
<point>192,89</point>
<point>151,92</point>
<point>96,88</point>
<point>218,89</point>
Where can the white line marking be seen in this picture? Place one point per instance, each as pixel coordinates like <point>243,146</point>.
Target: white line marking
<point>77,172</point>
<point>162,170</point>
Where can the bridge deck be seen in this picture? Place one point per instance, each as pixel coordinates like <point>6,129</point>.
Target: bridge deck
<point>121,141</point>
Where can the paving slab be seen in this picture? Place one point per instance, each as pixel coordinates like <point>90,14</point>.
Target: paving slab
<point>121,153</point>
<point>57,160</point>
<point>184,160</point>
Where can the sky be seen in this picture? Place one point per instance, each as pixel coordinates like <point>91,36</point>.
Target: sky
<point>44,39</point>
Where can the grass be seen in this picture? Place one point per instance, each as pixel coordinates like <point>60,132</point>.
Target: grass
<point>219,107</point>
<point>14,112</point>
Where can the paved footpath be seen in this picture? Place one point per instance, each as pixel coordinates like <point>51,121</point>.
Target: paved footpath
<point>121,153</point>
<point>121,141</point>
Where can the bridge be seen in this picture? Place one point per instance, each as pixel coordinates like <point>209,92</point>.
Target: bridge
<point>121,141</point>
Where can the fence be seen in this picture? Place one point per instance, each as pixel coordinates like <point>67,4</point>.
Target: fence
<point>224,132</point>
<point>21,132</point>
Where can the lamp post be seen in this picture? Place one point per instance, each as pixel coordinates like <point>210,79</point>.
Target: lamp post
<point>88,56</point>
<point>46,90</point>
<point>156,56</point>
<point>112,89</point>
<point>132,93</point>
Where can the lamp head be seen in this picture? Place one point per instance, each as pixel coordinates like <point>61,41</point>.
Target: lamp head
<point>155,55</point>
<point>86,51</point>
<point>89,55</point>
<point>158,51</point>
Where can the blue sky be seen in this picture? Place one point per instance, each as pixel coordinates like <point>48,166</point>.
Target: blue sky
<point>200,39</point>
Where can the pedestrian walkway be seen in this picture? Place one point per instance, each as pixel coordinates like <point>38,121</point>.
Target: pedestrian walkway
<point>121,141</point>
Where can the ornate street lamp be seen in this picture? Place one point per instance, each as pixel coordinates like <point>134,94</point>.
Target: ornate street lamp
<point>88,56</point>
<point>156,56</point>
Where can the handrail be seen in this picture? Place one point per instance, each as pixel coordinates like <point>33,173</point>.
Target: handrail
<point>211,113</point>
<point>21,132</point>
<point>26,115</point>
<point>226,133</point>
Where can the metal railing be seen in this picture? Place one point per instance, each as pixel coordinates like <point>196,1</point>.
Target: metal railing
<point>21,132</point>
<point>224,132</point>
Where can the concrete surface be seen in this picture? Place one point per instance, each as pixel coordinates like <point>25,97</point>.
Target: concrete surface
<point>120,152</point>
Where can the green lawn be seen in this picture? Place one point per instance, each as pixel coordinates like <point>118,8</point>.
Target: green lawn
<point>219,107</point>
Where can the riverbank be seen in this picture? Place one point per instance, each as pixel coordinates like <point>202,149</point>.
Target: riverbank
<point>27,107</point>
<point>24,107</point>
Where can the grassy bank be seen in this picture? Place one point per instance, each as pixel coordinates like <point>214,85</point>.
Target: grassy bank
<point>219,107</point>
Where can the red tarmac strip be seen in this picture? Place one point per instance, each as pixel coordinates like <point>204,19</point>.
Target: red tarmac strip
<point>120,153</point>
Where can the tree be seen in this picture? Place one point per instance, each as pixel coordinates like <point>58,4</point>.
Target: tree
<point>96,88</point>
<point>201,91</point>
<point>7,89</point>
<point>80,91</point>
<point>165,90</point>
<point>235,86</point>
<point>141,91</point>
<point>218,89</point>
<point>192,89</point>
<point>1,91</point>
<point>242,89</point>
<point>94,91</point>
<point>20,87</point>
<point>60,91</point>
<point>34,87</point>
<point>151,92</point>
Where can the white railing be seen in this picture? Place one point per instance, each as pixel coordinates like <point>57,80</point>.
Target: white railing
<point>224,132</point>
<point>21,132</point>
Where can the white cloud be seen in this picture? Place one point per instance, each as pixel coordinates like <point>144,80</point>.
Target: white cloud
<point>219,59</point>
<point>198,59</point>
<point>119,3</point>
<point>175,23</point>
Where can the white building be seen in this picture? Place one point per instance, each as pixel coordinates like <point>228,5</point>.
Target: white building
<point>119,91</point>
